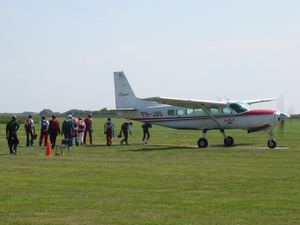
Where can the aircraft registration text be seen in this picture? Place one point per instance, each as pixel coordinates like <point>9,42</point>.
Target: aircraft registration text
<point>152,114</point>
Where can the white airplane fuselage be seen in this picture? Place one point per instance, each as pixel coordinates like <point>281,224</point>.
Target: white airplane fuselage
<point>160,115</point>
<point>195,114</point>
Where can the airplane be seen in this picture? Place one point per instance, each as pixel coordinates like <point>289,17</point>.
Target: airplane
<point>200,115</point>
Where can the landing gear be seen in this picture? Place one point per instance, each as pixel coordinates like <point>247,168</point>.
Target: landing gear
<point>228,141</point>
<point>271,143</point>
<point>202,143</point>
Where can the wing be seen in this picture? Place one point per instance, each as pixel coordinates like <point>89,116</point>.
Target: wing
<point>250,102</point>
<point>187,103</point>
<point>123,110</point>
<point>193,104</point>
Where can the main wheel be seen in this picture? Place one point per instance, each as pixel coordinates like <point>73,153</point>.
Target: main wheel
<point>202,143</point>
<point>228,141</point>
<point>272,144</point>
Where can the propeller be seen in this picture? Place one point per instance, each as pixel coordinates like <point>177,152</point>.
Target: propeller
<point>282,116</point>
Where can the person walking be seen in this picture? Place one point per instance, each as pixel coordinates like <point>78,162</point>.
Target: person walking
<point>81,130</point>
<point>109,131</point>
<point>75,121</point>
<point>53,130</point>
<point>89,128</point>
<point>125,130</point>
<point>44,131</point>
<point>30,131</point>
<point>146,133</point>
<point>66,129</point>
<point>11,135</point>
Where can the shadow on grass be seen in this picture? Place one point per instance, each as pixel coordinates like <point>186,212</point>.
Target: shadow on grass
<point>94,146</point>
<point>148,148</point>
<point>234,146</point>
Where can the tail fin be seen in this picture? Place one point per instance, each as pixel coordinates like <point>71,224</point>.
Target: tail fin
<point>125,97</point>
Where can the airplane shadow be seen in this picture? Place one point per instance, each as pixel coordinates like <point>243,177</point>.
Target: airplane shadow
<point>234,146</point>
<point>150,148</point>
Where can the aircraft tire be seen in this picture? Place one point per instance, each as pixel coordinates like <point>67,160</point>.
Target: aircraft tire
<point>272,144</point>
<point>228,141</point>
<point>202,143</point>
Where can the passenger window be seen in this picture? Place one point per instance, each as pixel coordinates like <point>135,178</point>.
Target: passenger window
<point>181,112</point>
<point>171,112</point>
<point>227,111</point>
<point>199,112</point>
<point>214,111</point>
<point>190,112</point>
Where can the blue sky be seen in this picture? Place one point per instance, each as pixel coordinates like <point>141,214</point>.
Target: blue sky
<point>62,54</point>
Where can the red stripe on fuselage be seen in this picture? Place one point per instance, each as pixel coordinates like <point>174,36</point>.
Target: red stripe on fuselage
<point>259,112</point>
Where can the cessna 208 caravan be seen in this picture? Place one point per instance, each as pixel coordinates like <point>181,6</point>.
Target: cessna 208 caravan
<point>196,114</point>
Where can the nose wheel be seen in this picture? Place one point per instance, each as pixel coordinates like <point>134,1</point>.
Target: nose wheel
<point>272,143</point>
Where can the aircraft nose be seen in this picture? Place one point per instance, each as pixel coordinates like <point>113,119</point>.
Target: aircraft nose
<point>281,116</point>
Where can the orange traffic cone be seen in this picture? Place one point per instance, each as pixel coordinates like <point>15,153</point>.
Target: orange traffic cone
<point>48,149</point>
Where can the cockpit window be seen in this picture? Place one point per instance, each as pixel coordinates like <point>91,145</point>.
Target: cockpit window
<point>239,107</point>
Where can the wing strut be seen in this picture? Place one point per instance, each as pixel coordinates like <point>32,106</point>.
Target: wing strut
<point>212,117</point>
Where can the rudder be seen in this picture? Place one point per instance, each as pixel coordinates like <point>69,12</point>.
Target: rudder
<point>125,97</point>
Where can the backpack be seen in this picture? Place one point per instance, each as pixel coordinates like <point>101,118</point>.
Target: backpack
<point>28,125</point>
<point>81,124</point>
<point>12,127</point>
<point>44,124</point>
<point>54,124</point>
<point>108,126</point>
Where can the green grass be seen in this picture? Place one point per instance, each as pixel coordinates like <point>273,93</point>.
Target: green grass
<point>170,181</point>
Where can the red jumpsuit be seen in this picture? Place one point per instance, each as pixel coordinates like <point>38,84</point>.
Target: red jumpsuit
<point>44,131</point>
<point>109,130</point>
<point>89,129</point>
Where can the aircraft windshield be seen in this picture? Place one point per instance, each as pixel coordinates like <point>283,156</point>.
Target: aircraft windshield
<point>239,107</point>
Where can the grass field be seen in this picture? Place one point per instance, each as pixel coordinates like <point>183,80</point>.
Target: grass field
<point>170,181</point>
